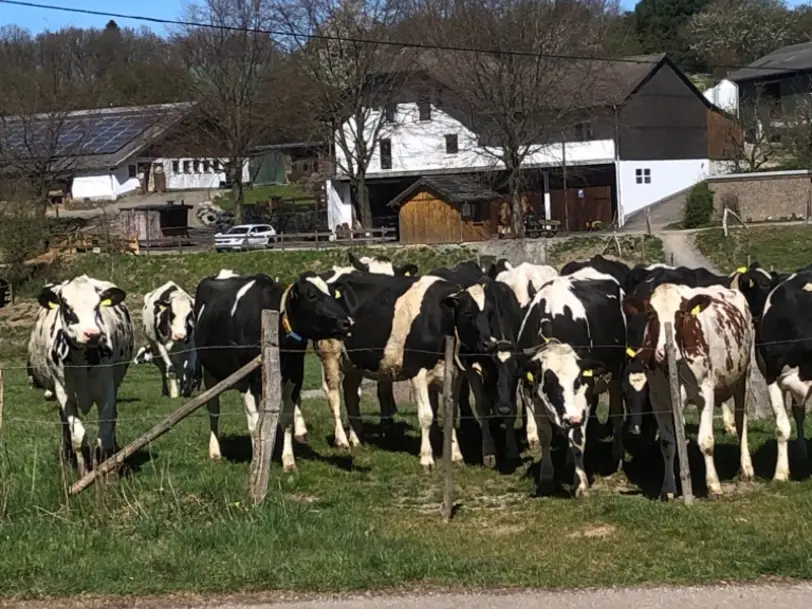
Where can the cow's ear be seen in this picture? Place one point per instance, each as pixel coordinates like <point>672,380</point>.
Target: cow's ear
<point>696,305</point>
<point>591,368</point>
<point>452,301</point>
<point>48,299</point>
<point>632,305</point>
<point>407,270</point>
<point>357,264</point>
<point>531,290</point>
<point>112,297</point>
<point>531,374</point>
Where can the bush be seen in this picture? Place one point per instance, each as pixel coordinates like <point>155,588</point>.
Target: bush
<point>699,206</point>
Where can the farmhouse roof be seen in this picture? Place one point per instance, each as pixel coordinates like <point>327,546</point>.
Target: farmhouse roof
<point>98,138</point>
<point>786,60</point>
<point>455,189</point>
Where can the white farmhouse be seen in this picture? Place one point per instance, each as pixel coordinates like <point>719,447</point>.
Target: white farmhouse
<point>645,133</point>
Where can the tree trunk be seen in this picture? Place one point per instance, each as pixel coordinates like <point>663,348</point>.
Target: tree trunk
<point>360,199</point>
<point>237,191</point>
<point>514,191</point>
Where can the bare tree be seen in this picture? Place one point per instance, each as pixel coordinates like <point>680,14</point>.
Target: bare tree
<point>521,101</point>
<point>230,71</point>
<point>353,79</point>
<point>756,140</point>
<point>42,134</point>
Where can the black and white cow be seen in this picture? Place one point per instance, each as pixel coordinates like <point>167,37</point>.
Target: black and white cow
<point>330,352</point>
<point>577,329</point>
<point>381,265</point>
<point>169,324</point>
<point>784,354</point>
<point>399,334</point>
<point>80,349</point>
<point>487,318</point>
<point>524,279</point>
<point>614,268</point>
<point>464,274</point>
<point>228,327</point>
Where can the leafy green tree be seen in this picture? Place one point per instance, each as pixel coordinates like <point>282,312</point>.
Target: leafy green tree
<point>660,27</point>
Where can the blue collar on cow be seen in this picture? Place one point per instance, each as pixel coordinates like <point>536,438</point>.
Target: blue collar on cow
<point>286,318</point>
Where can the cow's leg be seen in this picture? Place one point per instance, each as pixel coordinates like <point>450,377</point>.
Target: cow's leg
<point>286,423</point>
<point>577,437</point>
<point>799,390</point>
<point>331,384</point>
<point>740,419</point>
<point>299,425</point>
<point>352,401</point>
<point>170,374</point>
<point>386,398</point>
<point>531,423</point>
<point>546,483</point>
<point>425,417</point>
<point>213,406</point>
<point>782,431</point>
<point>729,419</point>
<point>668,447</point>
<point>706,441</point>
<point>616,417</point>
<point>482,411</point>
<point>250,403</point>
<point>108,413</point>
<point>78,437</point>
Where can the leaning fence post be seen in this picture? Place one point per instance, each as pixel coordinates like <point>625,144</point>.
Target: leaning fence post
<point>448,427</point>
<point>679,420</point>
<point>265,433</point>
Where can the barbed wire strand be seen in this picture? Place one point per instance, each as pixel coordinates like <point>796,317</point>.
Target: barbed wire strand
<point>355,40</point>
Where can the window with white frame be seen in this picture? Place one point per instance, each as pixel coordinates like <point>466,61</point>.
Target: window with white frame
<point>642,176</point>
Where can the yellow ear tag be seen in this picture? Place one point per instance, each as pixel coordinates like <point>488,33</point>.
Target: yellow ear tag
<point>338,294</point>
<point>741,269</point>
<point>587,373</point>
<point>407,274</point>
<point>108,303</point>
<point>53,305</point>
<point>750,283</point>
<point>695,310</point>
<point>546,340</point>
<point>530,377</point>
<point>630,352</point>
<point>160,306</point>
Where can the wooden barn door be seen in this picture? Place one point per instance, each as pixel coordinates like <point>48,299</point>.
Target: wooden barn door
<point>583,205</point>
<point>427,219</point>
<point>159,177</point>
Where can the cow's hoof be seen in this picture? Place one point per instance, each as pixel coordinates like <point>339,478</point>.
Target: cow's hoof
<point>715,491</point>
<point>747,475</point>
<point>427,464</point>
<point>781,476</point>
<point>289,468</point>
<point>544,488</point>
<point>216,457</point>
<point>667,496</point>
<point>489,461</point>
<point>580,491</point>
<point>303,439</point>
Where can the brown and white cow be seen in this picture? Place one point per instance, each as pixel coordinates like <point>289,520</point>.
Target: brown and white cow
<point>713,335</point>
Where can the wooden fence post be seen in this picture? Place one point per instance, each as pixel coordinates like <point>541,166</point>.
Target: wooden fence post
<point>448,427</point>
<point>265,433</point>
<point>161,428</point>
<point>679,420</point>
<point>672,258</point>
<point>648,220</point>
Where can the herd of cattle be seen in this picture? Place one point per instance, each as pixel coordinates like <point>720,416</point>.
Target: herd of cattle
<point>530,340</point>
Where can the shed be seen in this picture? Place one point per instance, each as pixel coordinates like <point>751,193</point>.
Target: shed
<point>444,209</point>
<point>156,225</point>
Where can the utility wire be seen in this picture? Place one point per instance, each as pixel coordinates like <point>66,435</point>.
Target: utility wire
<point>337,38</point>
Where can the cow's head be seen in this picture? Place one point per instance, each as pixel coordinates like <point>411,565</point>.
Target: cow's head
<point>311,309</point>
<point>635,389</point>
<point>78,304</point>
<point>485,316</point>
<point>499,266</point>
<point>755,283</point>
<point>667,304</point>
<point>562,383</point>
<point>382,266</point>
<point>174,316</point>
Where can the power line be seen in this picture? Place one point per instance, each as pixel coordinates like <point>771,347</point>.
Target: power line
<point>337,38</point>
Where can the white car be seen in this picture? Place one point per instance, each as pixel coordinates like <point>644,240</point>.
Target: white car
<point>245,237</point>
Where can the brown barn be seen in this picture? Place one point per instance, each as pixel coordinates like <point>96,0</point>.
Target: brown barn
<point>444,209</point>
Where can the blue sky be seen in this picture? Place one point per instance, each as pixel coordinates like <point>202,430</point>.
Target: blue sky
<point>37,20</point>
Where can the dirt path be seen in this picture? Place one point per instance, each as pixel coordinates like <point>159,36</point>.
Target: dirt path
<point>709,597</point>
<point>681,246</point>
